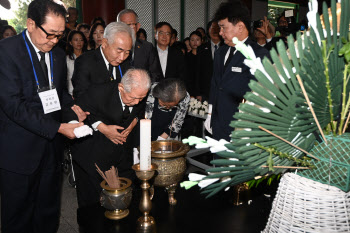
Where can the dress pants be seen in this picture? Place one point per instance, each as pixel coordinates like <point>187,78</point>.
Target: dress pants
<point>31,203</point>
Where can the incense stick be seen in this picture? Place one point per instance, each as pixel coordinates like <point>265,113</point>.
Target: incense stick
<point>110,176</point>
<point>302,150</point>
<point>311,108</point>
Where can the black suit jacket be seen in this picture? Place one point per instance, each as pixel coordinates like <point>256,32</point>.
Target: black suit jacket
<point>104,104</point>
<point>90,68</point>
<point>145,57</point>
<point>26,133</point>
<point>176,66</point>
<point>204,70</point>
<point>228,87</point>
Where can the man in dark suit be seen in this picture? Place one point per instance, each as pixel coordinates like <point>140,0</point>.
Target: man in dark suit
<point>31,145</point>
<point>144,56</point>
<point>114,111</point>
<point>172,60</point>
<point>230,76</point>
<point>205,59</point>
<point>106,63</point>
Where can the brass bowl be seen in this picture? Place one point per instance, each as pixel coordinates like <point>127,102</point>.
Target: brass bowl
<point>116,201</point>
<point>169,155</point>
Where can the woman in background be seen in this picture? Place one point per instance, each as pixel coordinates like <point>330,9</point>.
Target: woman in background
<point>141,34</point>
<point>191,61</point>
<point>76,45</point>
<point>85,29</point>
<point>96,36</point>
<point>7,31</point>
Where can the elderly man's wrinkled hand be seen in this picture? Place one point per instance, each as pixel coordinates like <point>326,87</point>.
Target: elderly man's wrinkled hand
<point>112,133</point>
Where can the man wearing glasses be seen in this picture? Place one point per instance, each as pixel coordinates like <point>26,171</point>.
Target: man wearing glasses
<point>144,56</point>
<point>171,59</point>
<point>32,82</point>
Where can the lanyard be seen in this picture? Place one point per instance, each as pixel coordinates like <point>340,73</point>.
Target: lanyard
<point>120,71</point>
<point>31,59</point>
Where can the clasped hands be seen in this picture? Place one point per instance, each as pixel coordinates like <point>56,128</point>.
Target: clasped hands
<point>112,133</point>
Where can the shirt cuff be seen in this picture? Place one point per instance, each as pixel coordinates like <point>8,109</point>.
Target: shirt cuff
<point>96,124</point>
<point>268,40</point>
<point>73,122</point>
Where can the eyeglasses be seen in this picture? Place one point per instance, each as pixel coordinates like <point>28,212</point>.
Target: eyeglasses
<point>51,36</point>
<point>164,33</point>
<point>165,108</point>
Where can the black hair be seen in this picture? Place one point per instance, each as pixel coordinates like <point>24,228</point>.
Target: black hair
<point>174,32</point>
<point>4,28</point>
<point>187,38</point>
<point>179,45</point>
<point>143,31</point>
<point>209,25</point>
<point>98,19</point>
<point>69,47</point>
<point>39,9</point>
<point>161,24</point>
<point>170,90</point>
<point>73,8</point>
<point>91,33</point>
<point>197,33</point>
<point>201,29</point>
<point>235,12</point>
<point>83,25</point>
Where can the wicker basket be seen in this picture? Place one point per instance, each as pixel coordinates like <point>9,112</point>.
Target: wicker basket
<point>303,205</point>
<point>337,171</point>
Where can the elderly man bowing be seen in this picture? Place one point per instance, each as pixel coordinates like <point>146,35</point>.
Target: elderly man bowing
<point>107,63</point>
<point>32,83</point>
<point>114,110</point>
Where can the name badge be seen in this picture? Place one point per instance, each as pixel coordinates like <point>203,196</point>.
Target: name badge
<point>50,101</point>
<point>236,69</point>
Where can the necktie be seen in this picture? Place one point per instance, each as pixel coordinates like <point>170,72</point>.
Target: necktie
<point>126,113</point>
<point>110,71</point>
<point>215,48</point>
<point>44,68</point>
<point>232,51</point>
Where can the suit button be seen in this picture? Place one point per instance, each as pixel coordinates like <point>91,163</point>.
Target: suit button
<point>220,88</point>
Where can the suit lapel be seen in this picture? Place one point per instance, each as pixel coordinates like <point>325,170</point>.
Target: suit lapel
<point>101,65</point>
<point>39,72</point>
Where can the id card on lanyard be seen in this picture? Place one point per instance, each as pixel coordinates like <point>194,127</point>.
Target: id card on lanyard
<point>48,96</point>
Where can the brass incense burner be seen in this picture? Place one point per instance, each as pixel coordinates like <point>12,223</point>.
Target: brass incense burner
<point>116,201</point>
<point>169,155</point>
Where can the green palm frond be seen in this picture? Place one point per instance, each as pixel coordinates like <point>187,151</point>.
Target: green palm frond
<point>277,104</point>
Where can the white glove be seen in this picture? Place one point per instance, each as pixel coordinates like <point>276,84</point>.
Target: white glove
<point>160,138</point>
<point>207,123</point>
<point>82,131</point>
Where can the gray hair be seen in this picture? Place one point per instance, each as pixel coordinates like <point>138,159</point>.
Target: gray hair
<point>136,78</point>
<point>170,90</point>
<point>118,27</point>
<point>126,11</point>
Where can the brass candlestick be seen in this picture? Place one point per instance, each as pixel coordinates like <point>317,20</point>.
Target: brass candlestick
<point>146,221</point>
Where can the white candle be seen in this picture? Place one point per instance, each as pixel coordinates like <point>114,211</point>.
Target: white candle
<point>145,144</point>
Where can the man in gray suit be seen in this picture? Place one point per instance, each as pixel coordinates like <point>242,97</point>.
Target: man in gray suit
<point>144,56</point>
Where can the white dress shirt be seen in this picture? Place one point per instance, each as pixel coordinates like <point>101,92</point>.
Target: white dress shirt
<point>213,47</point>
<point>70,70</point>
<point>107,63</point>
<point>228,51</point>
<point>163,57</point>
